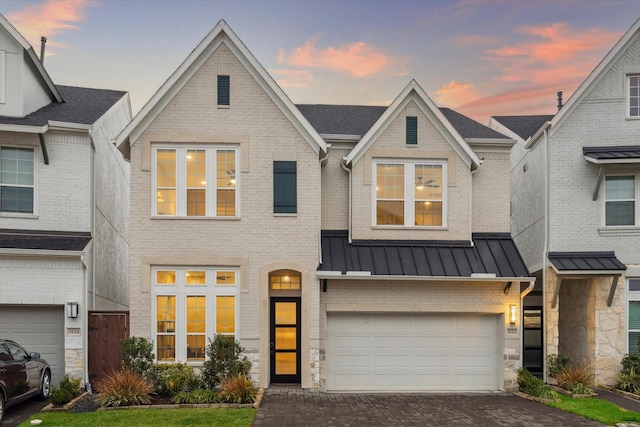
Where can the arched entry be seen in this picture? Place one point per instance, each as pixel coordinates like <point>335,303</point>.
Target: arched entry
<point>285,322</point>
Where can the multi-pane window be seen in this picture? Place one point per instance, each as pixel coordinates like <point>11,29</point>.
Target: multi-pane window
<point>620,200</point>
<point>410,193</point>
<point>16,180</point>
<point>199,182</point>
<point>285,280</point>
<point>633,316</point>
<point>634,96</point>
<point>191,306</point>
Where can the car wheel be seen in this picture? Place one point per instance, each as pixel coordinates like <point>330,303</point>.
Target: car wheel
<point>1,408</point>
<point>45,386</point>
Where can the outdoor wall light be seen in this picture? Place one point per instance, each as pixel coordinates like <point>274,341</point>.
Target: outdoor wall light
<point>513,314</point>
<point>72,310</point>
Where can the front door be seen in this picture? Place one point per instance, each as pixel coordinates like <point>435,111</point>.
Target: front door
<point>532,340</point>
<point>285,340</point>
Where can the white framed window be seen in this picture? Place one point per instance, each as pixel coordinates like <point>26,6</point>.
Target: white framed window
<point>191,305</point>
<point>633,316</point>
<point>620,199</point>
<point>196,181</point>
<point>633,95</point>
<point>17,172</point>
<point>410,193</point>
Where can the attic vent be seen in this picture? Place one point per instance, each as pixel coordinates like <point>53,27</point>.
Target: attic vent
<point>559,100</point>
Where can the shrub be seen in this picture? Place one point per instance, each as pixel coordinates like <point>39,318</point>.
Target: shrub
<point>137,355</point>
<point>237,389</point>
<point>124,388</point>
<point>534,386</point>
<point>556,363</point>
<point>576,379</point>
<point>628,381</point>
<point>630,363</point>
<point>199,395</point>
<point>170,379</point>
<point>66,391</point>
<point>223,360</point>
<point>59,396</point>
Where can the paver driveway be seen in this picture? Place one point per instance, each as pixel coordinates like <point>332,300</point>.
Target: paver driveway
<point>293,406</point>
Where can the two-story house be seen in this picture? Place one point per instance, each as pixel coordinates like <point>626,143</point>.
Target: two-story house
<point>345,247</point>
<point>64,186</point>
<point>575,191</point>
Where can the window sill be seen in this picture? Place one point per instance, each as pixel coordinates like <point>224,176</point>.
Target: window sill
<point>223,107</point>
<point>285,214</point>
<point>411,228</point>
<point>18,215</point>
<point>196,218</point>
<point>619,231</point>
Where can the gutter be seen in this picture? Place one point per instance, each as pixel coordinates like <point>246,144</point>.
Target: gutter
<point>323,162</point>
<point>343,165</point>
<point>366,275</point>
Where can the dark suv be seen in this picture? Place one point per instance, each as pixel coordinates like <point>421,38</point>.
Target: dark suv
<point>22,375</point>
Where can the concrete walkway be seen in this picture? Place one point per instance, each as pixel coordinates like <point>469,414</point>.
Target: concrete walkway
<point>293,406</point>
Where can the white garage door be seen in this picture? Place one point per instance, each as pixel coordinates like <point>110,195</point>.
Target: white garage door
<point>39,329</point>
<point>412,352</point>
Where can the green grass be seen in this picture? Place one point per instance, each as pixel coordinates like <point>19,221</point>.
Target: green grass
<point>216,417</point>
<point>596,409</point>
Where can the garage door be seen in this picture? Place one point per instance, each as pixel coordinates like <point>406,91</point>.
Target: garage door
<point>412,352</point>
<point>38,329</point>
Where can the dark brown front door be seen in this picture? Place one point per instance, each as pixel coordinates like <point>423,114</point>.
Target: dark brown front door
<point>285,340</point>
<point>106,330</point>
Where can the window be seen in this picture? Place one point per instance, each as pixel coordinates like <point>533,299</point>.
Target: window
<point>285,280</point>
<point>285,196</point>
<point>633,316</point>
<point>191,306</point>
<point>198,182</point>
<point>634,96</point>
<point>410,193</point>
<point>16,180</point>
<point>412,130</point>
<point>224,90</point>
<point>620,200</point>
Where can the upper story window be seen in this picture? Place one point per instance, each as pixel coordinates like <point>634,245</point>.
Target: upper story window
<point>198,181</point>
<point>191,305</point>
<point>285,196</point>
<point>410,193</point>
<point>224,90</point>
<point>634,96</point>
<point>620,200</point>
<point>16,180</point>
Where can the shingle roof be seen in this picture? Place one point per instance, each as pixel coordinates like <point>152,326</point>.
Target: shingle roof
<point>523,126</point>
<point>613,154</point>
<point>358,119</point>
<point>44,240</point>
<point>585,261</point>
<point>81,106</point>
<point>491,253</point>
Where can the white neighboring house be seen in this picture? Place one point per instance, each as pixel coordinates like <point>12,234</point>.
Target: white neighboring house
<point>575,183</point>
<point>64,202</point>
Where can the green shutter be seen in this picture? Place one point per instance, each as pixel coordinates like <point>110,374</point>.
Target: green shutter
<point>634,315</point>
<point>412,130</point>
<point>223,90</point>
<point>285,195</point>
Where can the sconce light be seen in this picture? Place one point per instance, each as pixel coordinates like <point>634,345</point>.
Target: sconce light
<point>72,310</point>
<point>513,314</point>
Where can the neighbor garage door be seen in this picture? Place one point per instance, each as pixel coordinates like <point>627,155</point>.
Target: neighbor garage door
<point>412,352</point>
<point>37,328</point>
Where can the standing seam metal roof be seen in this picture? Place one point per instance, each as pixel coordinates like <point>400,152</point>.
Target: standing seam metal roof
<point>586,261</point>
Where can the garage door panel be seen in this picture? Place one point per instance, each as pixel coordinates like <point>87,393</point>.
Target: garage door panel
<point>411,351</point>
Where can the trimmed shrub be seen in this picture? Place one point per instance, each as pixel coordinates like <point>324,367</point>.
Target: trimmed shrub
<point>224,360</point>
<point>238,389</point>
<point>68,389</point>
<point>170,379</point>
<point>124,388</point>
<point>628,381</point>
<point>197,396</point>
<point>59,396</point>
<point>556,363</point>
<point>137,355</point>
<point>577,379</point>
<point>534,386</point>
<point>630,363</point>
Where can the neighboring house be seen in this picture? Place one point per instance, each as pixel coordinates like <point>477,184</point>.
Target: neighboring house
<point>575,186</point>
<point>64,201</point>
<point>345,247</point>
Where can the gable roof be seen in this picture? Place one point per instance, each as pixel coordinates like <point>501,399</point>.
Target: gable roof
<point>81,106</point>
<point>220,34</point>
<point>32,58</point>
<point>490,254</point>
<point>414,92</point>
<point>523,126</point>
<point>351,120</point>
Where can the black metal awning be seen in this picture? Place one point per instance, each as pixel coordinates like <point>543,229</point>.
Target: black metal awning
<point>612,155</point>
<point>44,240</point>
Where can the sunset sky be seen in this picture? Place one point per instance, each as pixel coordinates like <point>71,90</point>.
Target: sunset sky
<point>479,57</point>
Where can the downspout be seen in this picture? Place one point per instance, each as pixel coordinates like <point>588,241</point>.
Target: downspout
<point>93,220</point>
<point>323,162</point>
<point>473,172</point>
<point>343,165</point>
<point>85,320</point>
<point>545,252</point>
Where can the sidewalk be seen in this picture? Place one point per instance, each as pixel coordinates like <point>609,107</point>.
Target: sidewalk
<point>622,401</point>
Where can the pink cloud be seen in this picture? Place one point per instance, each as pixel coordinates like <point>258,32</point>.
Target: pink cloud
<point>455,93</point>
<point>358,59</point>
<point>292,78</point>
<point>49,19</point>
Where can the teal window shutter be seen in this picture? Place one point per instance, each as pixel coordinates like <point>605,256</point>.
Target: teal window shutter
<point>285,192</point>
<point>412,130</point>
<point>223,90</point>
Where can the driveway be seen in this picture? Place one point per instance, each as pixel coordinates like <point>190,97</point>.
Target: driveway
<point>292,406</point>
<point>22,411</point>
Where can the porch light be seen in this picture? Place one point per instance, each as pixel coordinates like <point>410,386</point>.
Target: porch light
<point>72,310</point>
<point>513,314</point>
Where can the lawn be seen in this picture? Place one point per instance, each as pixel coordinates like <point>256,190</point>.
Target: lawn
<point>596,409</point>
<point>216,417</point>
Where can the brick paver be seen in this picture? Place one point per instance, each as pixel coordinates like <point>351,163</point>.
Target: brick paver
<point>293,406</point>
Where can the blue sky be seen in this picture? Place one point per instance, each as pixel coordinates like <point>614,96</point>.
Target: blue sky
<point>479,57</point>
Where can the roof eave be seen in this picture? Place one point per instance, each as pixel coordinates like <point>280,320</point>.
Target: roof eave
<point>611,161</point>
<point>533,140</point>
<point>337,275</point>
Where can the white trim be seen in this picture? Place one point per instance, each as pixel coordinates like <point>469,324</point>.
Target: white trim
<point>3,76</point>
<point>610,161</point>
<point>41,253</point>
<point>636,204</point>
<point>627,95</point>
<point>36,162</point>
<point>629,296</point>
<point>24,129</point>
